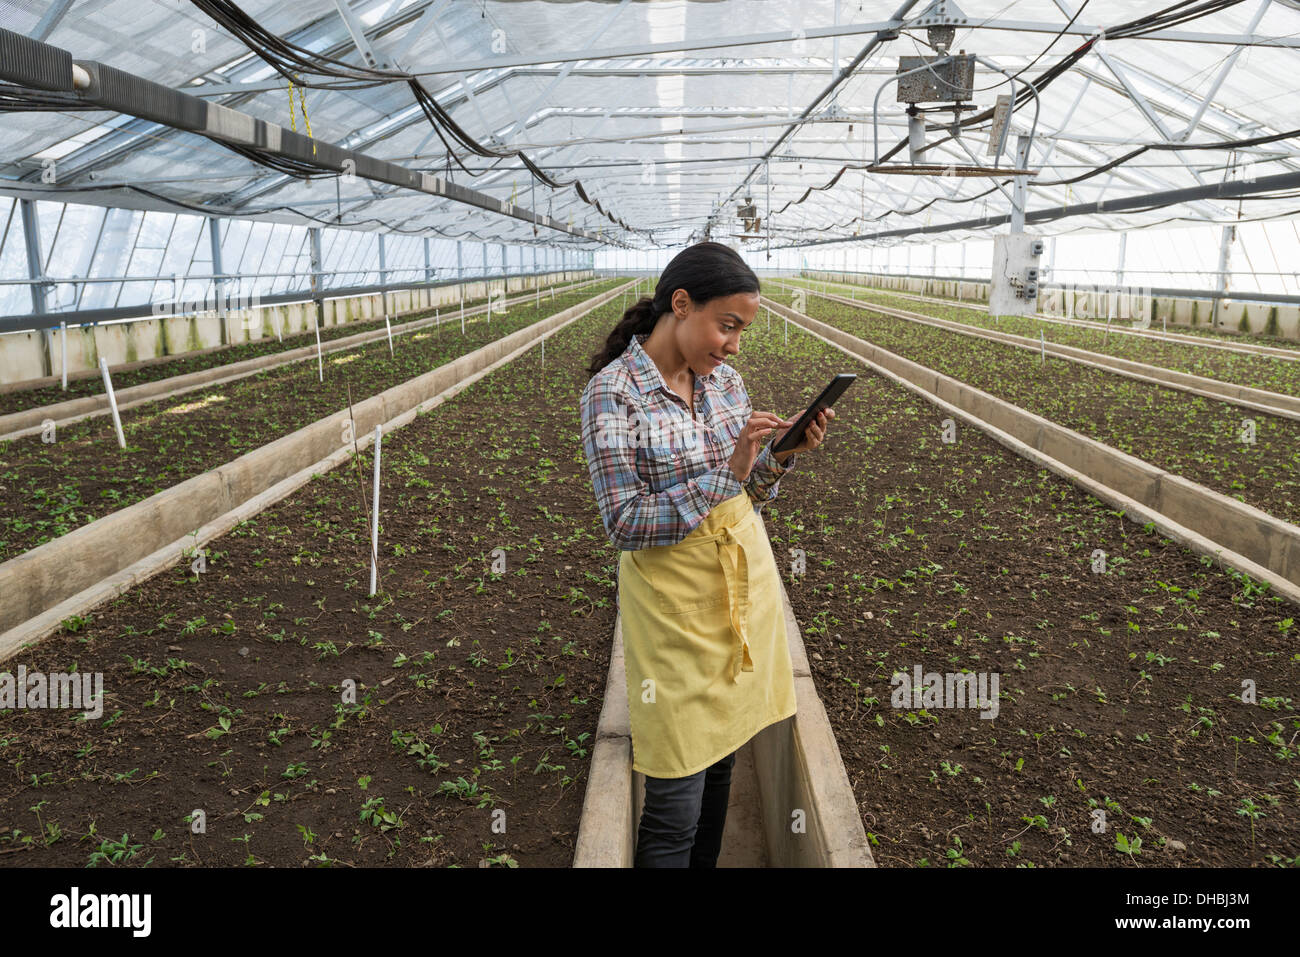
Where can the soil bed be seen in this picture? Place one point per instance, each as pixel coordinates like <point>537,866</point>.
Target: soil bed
<point>50,489</point>
<point>19,400</point>
<point>1119,691</point>
<point>1259,372</point>
<point>477,692</point>
<point>898,300</point>
<point>1192,436</point>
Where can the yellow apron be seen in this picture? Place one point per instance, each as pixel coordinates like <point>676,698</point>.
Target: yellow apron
<point>704,642</point>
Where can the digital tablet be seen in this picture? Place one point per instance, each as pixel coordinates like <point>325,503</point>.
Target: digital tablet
<point>824,401</point>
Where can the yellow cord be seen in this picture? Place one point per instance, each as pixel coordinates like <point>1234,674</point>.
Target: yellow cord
<point>293,119</point>
<point>302,98</point>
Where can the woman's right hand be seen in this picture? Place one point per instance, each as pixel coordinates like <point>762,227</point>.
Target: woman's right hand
<point>750,441</point>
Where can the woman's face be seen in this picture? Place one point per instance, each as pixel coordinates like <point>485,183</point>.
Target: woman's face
<point>711,333</point>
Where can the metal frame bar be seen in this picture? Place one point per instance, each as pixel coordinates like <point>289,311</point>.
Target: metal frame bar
<point>53,16</point>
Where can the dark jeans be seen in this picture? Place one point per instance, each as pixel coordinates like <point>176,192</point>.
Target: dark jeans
<point>682,821</point>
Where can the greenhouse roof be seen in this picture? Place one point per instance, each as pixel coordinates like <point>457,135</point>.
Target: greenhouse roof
<point>671,112</point>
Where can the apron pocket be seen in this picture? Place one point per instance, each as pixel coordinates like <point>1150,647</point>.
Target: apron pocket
<point>683,579</point>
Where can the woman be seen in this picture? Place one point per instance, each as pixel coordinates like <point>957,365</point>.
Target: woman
<point>672,444</point>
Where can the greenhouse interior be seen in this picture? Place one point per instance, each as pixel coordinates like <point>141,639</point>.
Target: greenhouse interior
<point>915,387</point>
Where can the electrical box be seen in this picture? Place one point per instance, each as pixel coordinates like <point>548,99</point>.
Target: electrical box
<point>945,82</point>
<point>1014,287</point>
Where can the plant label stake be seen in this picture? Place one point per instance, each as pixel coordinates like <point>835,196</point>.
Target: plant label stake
<point>389,327</point>
<point>112,401</point>
<point>374,517</point>
<point>320,359</point>
<point>63,345</point>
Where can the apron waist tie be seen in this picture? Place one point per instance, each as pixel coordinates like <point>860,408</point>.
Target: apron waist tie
<point>735,569</point>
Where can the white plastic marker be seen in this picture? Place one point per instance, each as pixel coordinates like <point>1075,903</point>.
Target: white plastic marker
<point>389,327</point>
<point>374,518</point>
<point>63,344</point>
<point>320,361</point>
<point>112,401</point>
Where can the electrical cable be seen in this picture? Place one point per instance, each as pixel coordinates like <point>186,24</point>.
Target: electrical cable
<point>1172,15</point>
<point>289,59</point>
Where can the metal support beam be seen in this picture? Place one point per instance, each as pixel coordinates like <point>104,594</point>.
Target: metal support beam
<point>35,268</point>
<point>316,292</point>
<point>1223,73</point>
<point>358,32</point>
<point>53,14</point>
<point>218,272</point>
<point>36,271</point>
<point>1226,238</point>
<point>428,262</point>
<point>1219,191</point>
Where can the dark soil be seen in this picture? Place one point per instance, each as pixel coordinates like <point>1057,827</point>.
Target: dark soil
<point>1192,436</point>
<point>476,693</point>
<point>50,489</point>
<point>1120,691</point>
<point>1270,373</point>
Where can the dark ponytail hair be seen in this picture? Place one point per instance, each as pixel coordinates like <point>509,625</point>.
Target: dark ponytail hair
<point>706,271</point>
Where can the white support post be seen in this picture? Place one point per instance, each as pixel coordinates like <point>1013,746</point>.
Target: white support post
<point>1226,237</point>
<point>112,401</point>
<point>374,517</point>
<point>63,347</point>
<point>320,358</point>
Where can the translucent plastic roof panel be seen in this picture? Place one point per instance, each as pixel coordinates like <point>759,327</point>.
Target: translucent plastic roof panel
<point>665,110</point>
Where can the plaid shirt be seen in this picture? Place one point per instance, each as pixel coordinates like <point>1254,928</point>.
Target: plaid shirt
<point>656,471</point>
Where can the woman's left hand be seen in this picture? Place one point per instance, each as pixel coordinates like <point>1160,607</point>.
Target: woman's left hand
<point>813,436</point>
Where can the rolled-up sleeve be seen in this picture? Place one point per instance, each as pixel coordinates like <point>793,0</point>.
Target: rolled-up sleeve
<point>635,516</point>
